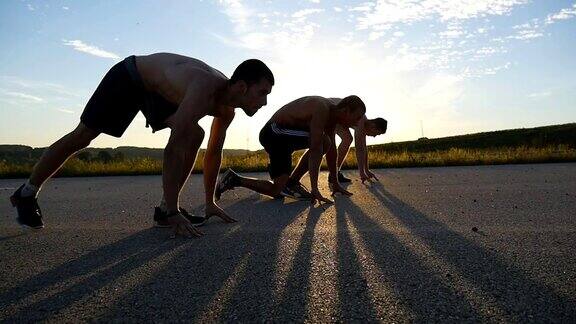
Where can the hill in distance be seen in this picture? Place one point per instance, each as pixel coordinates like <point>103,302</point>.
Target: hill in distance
<point>554,135</point>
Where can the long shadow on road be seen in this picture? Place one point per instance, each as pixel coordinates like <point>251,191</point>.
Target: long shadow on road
<point>224,278</point>
<point>521,298</point>
<point>96,269</point>
<point>422,293</point>
<point>355,303</point>
<point>179,288</point>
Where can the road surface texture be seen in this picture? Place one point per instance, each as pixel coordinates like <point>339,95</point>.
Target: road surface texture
<point>455,244</point>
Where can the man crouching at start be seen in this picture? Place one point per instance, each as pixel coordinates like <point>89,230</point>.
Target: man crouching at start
<point>172,91</point>
<point>305,123</point>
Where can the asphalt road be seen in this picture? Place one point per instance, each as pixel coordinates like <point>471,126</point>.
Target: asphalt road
<point>456,244</point>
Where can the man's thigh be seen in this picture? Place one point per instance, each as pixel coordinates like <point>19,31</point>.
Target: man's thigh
<point>280,165</point>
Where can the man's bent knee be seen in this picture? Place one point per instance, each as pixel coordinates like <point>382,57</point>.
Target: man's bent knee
<point>82,135</point>
<point>196,136</point>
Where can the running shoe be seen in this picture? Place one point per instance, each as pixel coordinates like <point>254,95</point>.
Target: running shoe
<point>29,213</point>
<point>161,221</point>
<point>228,181</point>
<point>296,190</point>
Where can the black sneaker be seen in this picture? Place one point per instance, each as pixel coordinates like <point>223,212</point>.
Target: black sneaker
<point>29,213</point>
<point>342,178</point>
<point>296,190</point>
<point>229,180</point>
<point>161,221</point>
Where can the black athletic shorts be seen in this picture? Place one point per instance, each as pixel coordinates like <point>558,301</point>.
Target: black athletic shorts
<point>280,142</point>
<point>119,97</point>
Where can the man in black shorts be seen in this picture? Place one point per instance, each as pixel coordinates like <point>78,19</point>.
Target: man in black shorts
<point>172,91</point>
<point>365,127</point>
<point>305,123</point>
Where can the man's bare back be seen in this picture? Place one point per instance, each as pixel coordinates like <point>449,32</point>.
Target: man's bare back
<point>172,75</point>
<point>298,113</point>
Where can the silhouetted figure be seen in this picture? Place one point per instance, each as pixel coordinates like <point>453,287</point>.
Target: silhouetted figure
<point>172,91</point>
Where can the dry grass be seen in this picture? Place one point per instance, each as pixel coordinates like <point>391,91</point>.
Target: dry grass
<point>258,161</point>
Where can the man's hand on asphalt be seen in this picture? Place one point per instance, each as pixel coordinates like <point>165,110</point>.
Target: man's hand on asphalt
<point>182,226</point>
<point>214,210</point>
<point>317,196</point>
<point>371,175</point>
<point>364,177</point>
<point>337,188</point>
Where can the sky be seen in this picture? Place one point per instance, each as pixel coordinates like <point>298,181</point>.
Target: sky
<point>430,67</point>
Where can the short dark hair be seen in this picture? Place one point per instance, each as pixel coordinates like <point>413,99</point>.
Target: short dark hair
<point>252,71</point>
<point>352,103</point>
<point>381,124</point>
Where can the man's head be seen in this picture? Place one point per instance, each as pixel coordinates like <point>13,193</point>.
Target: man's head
<point>253,81</point>
<point>375,127</point>
<point>350,110</point>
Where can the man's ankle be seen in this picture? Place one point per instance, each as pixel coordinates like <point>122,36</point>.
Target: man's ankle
<point>29,190</point>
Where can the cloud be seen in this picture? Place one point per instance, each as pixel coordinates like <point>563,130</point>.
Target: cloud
<point>563,14</point>
<point>237,13</point>
<point>66,111</point>
<point>251,32</point>
<point>375,35</point>
<point>306,12</point>
<point>526,35</point>
<point>480,72</point>
<point>80,46</point>
<point>24,96</point>
<point>542,94</point>
<point>394,82</point>
<point>400,11</point>
<point>50,87</point>
<point>528,31</point>
<point>364,7</point>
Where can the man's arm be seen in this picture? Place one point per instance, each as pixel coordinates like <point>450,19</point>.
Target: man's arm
<point>212,162</point>
<point>179,155</point>
<point>332,160</point>
<point>361,151</point>
<point>317,124</point>
<point>344,147</point>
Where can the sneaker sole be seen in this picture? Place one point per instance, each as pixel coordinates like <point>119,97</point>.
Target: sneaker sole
<point>24,226</point>
<point>294,197</point>
<point>156,225</point>
<point>225,175</point>
<point>28,227</point>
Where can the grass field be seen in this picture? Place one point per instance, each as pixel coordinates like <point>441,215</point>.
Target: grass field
<point>547,144</point>
<point>258,161</point>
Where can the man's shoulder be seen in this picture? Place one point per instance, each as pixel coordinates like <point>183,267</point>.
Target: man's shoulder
<point>204,84</point>
<point>317,102</point>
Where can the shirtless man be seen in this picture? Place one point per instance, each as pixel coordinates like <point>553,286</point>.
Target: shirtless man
<point>305,123</point>
<point>365,127</point>
<point>371,127</point>
<point>171,91</point>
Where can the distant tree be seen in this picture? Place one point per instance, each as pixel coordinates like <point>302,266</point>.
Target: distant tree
<point>119,156</point>
<point>84,156</point>
<point>104,156</point>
